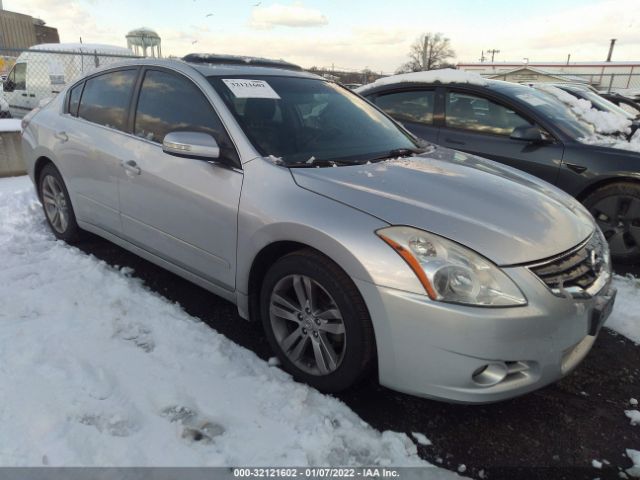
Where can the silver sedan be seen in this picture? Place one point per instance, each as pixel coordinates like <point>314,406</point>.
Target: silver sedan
<point>357,246</point>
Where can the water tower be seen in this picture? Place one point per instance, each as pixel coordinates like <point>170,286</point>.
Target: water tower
<point>141,39</point>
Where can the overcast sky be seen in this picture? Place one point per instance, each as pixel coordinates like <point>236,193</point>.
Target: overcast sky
<point>355,34</point>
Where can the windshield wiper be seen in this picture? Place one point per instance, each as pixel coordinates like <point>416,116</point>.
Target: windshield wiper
<point>320,163</point>
<point>400,152</point>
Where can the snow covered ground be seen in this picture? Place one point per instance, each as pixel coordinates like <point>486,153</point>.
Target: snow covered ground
<point>97,370</point>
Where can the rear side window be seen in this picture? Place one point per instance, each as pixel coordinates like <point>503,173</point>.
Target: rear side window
<point>471,112</point>
<point>170,103</point>
<point>105,99</point>
<point>74,99</point>
<point>414,106</point>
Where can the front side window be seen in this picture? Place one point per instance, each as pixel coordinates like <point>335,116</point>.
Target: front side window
<point>307,120</point>
<point>17,78</point>
<point>105,99</point>
<point>416,106</point>
<point>170,103</point>
<point>478,114</point>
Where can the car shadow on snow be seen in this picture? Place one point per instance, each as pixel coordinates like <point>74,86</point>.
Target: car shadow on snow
<point>555,432</point>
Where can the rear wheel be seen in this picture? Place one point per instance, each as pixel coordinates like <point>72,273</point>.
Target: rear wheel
<point>316,321</point>
<point>616,209</point>
<point>57,206</point>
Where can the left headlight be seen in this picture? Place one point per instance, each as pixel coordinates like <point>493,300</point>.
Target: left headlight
<point>450,272</point>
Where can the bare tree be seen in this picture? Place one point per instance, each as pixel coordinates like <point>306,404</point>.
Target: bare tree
<point>428,52</point>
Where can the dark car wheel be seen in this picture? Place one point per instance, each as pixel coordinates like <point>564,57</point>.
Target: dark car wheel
<point>616,209</point>
<point>316,321</point>
<point>57,206</point>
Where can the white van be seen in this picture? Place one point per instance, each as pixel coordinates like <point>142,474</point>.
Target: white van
<point>43,70</point>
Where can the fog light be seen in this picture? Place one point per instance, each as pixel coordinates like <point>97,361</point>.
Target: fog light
<point>489,375</point>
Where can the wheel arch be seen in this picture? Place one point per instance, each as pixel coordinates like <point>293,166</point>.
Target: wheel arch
<point>605,182</point>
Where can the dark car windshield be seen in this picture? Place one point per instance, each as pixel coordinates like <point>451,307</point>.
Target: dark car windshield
<point>310,121</point>
<point>605,105</point>
<point>556,112</point>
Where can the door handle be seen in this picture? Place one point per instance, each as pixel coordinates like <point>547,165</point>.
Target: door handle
<point>131,166</point>
<point>455,142</point>
<point>62,136</point>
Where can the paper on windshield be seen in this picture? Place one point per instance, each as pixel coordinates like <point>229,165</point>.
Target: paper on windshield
<point>245,88</point>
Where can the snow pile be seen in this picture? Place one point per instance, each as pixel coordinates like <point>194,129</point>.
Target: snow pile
<point>10,125</point>
<point>634,416</point>
<point>626,317</point>
<point>603,122</point>
<point>634,455</point>
<point>445,75</point>
<point>633,145</point>
<point>100,371</point>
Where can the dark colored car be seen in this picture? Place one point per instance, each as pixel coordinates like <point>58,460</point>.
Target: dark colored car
<point>526,129</point>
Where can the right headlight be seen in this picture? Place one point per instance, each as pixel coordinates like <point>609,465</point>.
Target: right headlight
<point>450,272</point>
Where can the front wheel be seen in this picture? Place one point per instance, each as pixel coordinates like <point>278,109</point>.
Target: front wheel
<point>316,321</point>
<point>616,209</point>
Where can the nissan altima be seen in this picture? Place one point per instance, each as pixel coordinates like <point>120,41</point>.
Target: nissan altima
<point>357,247</point>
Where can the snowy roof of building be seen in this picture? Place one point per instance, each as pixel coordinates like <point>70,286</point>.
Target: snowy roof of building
<point>557,75</point>
<point>548,64</point>
<point>445,75</point>
<point>83,47</point>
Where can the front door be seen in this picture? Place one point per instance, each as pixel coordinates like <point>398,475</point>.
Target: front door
<point>481,126</point>
<point>181,209</point>
<point>15,91</point>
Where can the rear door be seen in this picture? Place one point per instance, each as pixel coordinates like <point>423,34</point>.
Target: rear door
<point>181,209</point>
<point>414,108</point>
<point>480,125</point>
<point>91,144</point>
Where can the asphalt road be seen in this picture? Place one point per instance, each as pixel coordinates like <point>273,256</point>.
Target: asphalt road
<point>553,433</point>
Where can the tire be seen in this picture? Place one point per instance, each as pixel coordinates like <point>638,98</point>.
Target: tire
<point>345,358</point>
<point>616,208</point>
<point>54,197</point>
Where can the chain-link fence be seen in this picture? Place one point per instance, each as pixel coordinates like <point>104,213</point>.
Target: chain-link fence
<point>30,76</point>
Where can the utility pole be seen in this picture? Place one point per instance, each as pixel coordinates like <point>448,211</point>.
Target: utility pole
<point>482,57</point>
<point>613,42</point>
<point>425,45</point>
<point>492,52</point>
<point>568,58</point>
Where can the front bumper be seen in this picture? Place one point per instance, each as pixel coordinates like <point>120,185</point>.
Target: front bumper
<point>432,349</point>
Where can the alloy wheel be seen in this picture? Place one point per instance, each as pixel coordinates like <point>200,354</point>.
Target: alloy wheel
<point>307,324</point>
<point>619,219</point>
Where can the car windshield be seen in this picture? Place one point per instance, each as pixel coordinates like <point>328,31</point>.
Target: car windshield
<point>556,112</point>
<point>603,104</point>
<point>310,122</point>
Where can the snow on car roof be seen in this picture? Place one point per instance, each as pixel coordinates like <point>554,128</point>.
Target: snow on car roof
<point>445,75</point>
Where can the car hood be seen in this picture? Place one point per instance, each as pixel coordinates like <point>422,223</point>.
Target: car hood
<point>508,216</point>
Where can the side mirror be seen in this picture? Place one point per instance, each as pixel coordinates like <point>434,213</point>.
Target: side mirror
<point>198,145</point>
<point>527,133</point>
<point>8,86</point>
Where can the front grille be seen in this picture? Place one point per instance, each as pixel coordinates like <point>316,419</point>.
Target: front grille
<point>577,271</point>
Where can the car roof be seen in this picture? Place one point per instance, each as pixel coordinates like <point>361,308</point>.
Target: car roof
<point>217,69</point>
